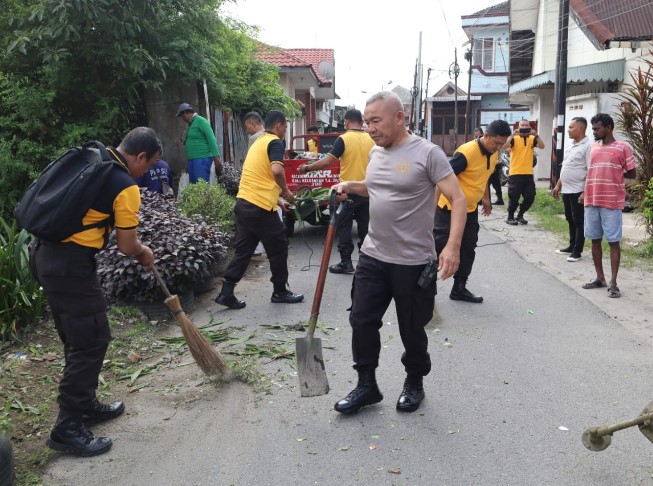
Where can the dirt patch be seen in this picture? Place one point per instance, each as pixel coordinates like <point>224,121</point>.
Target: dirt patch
<point>31,370</point>
<point>146,359</point>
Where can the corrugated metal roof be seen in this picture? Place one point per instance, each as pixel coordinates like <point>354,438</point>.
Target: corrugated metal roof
<point>494,10</point>
<point>618,20</point>
<point>601,71</point>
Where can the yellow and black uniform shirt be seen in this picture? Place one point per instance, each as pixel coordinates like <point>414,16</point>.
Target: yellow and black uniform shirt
<point>119,197</point>
<point>312,145</point>
<point>473,165</point>
<point>352,148</point>
<point>521,156</point>
<point>257,184</point>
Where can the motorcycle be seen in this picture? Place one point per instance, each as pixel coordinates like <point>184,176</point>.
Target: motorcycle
<point>504,162</point>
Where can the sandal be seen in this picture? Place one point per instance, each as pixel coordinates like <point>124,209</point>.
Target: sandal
<point>594,284</point>
<point>613,291</point>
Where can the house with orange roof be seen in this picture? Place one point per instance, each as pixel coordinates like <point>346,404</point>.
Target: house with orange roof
<point>308,76</point>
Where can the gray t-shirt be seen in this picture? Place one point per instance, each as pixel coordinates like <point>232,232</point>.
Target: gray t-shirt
<point>401,183</point>
<point>574,166</point>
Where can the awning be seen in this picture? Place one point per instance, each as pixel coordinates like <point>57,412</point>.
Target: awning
<point>608,71</point>
<point>451,99</point>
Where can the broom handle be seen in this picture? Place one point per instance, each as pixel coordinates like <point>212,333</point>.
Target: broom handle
<point>162,284</point>
<point>326,256</point>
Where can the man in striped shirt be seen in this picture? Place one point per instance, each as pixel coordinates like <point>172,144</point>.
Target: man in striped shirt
<point>604,198</point>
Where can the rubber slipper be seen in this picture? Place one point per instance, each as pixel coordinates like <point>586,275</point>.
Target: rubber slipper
<point>614,292</point>
<point>594,284</point>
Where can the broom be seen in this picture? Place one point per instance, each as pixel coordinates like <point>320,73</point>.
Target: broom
<point>206,357</point>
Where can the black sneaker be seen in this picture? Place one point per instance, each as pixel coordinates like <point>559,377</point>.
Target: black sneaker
<point>498,202</point>
<point>512,221</point>
<point>573,257</point>
<point>567,250</point>
<point>521,220</point>
<point>342,267</point>
<point>286,297</point>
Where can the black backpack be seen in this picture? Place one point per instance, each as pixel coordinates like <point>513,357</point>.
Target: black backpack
<point>55,204</point>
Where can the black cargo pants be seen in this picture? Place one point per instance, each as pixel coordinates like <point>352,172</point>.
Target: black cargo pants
<point>375,284</point>
<point>67,273</point>
<point>254,224</point>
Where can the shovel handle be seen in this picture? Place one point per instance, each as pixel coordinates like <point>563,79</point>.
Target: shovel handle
<point>324,265</point>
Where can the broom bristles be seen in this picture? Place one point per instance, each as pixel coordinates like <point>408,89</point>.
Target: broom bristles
<point>205,355</point>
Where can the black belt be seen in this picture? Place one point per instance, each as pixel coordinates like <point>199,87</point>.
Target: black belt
<point>69,245</point>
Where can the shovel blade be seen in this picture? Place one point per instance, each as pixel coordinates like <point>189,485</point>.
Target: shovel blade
<point>310,367</point>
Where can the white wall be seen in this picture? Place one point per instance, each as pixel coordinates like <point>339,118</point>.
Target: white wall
<point>543,113</point>
<point>546,37</point>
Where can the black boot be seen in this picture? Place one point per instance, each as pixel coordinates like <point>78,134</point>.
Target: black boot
<point>412,395</point>
<point>284,295</point>
<point>344,266</point>
<point>71,435</point>
<point>365,393</point>
<point>460,292</point>
<point>227,297</point>
<point>99,412</point>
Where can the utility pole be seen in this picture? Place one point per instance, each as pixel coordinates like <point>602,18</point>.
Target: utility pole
<point>418,108</point>
<point>561,89</point>
<point>413,103</point>
<point>468,106</point>
<point>426,101</point>
<point>454,71</point>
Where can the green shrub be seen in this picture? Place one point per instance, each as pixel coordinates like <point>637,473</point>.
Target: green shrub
<point>21,297</point>
<point>646,206</point>
<point>211,202</point>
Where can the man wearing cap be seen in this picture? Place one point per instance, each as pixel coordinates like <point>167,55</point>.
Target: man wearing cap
<point>201,146</point>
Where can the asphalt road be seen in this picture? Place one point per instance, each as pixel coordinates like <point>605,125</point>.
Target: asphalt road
<point>515,382</point>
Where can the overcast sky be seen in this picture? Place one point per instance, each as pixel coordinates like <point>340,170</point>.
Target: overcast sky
<point>375,42</point>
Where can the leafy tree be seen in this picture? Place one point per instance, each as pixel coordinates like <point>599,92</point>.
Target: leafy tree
<point>635,119</point>
<point>77,69</point>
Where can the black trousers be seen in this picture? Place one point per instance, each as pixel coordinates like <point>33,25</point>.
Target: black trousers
<point>375,284</point>
<point>358,209</point>
<point>575,216</point>
<point>441,228</point>
<point>67,273</point>
<point>522,185</point>
<point>495,181</point>
<point>254,224</point>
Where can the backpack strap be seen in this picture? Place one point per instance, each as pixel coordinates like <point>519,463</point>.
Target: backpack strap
<point>100,146</point>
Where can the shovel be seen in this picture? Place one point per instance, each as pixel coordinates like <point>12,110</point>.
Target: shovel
<point>310,363</point>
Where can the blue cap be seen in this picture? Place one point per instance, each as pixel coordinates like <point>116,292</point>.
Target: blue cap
<point>184,107</point>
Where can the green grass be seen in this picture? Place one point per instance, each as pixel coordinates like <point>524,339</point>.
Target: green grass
<point>550,215</point>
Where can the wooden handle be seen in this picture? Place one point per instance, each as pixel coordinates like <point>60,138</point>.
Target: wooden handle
<point>162,284</point>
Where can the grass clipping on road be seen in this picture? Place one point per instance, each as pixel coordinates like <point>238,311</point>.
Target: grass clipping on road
<point>30,371</point>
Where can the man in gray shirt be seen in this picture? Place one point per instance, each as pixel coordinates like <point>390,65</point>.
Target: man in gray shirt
<point>572,183</point>
<point>401,178</point>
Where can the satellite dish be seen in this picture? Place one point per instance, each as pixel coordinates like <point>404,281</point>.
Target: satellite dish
<point>326,69</point>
